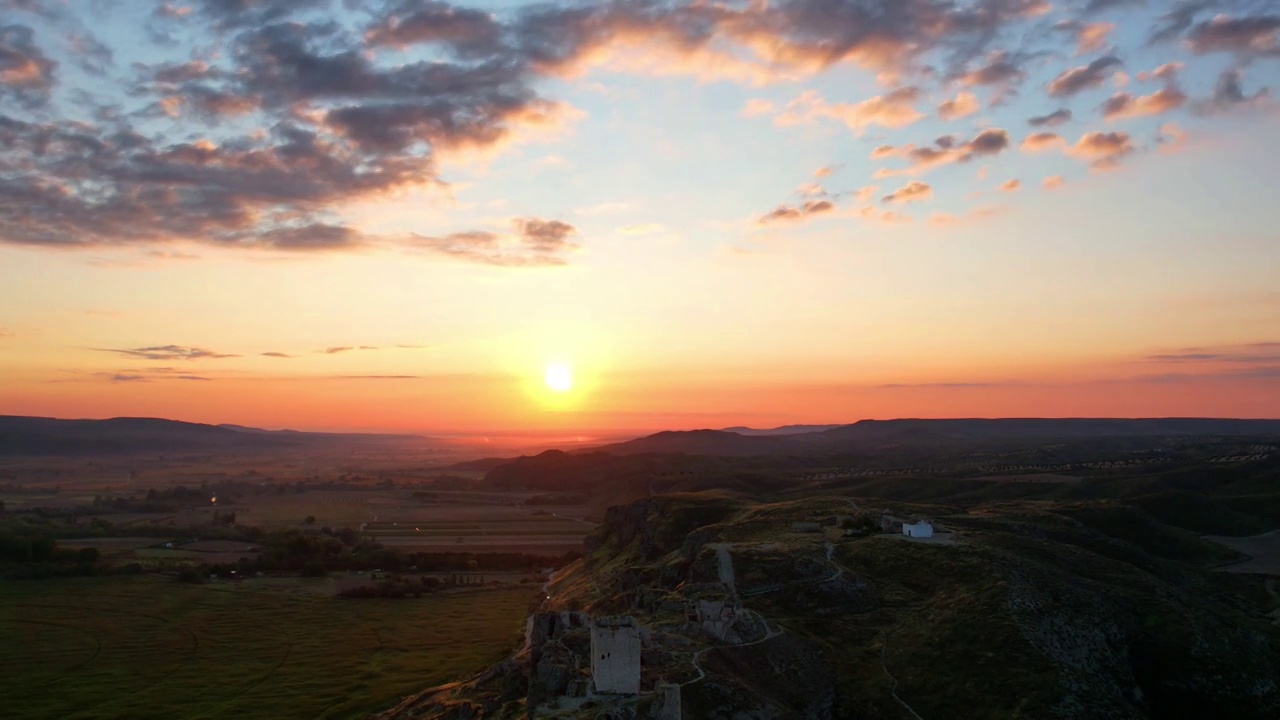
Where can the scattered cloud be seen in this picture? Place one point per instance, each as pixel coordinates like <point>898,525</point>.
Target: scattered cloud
<point>170,352</point>
<point>1053,182</point>
<point>1092,37</point>
<point>944,151</point>
<point>1079,79</point>
<point>757,107</point>
<point>826,170</point>
<point>276,355</point>
<point>1011,186</point>
<point>1042,142</point>
<point>1243,36</point>
<point>963,105</point>
<point>1170,138</point>
<point>893,110</point>
<point>1053,119</point>
<point>1123,106</point>
<point>534,243</point>
<point>913,191</point>
<point>1104,150</point>
<point>999,69</point>
<point>345,348</point>
<point>1229,95</point>
<point>796,213</point>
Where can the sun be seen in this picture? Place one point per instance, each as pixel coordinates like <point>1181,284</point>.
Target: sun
<point>558,378</point>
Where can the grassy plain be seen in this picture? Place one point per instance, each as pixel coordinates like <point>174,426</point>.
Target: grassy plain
<point>148,647</point>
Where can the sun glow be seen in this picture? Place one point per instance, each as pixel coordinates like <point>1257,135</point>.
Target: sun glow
<point>558,378</point>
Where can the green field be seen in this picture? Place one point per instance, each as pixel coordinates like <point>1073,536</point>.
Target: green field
<point>149,647</point>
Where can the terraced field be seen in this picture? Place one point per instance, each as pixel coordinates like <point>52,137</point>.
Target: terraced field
<point>148,647</point>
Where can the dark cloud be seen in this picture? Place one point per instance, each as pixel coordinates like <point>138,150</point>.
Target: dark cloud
<point>795,213</point>
<point>1097,6</point>
<point>989,142</point>
<point>999,69</point>
<point>1053,119</point>
<point>1078,79</point>
<point>170,352</point>
<point>276,355</point>
<point>25,72</point>
<point>1229,94</point>
<point>247,13</point>
<point>424,21</point>
<point>90,54</point>
<point>1245,36</point>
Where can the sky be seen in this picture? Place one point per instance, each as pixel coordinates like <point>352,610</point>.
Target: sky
<point>398,214</point>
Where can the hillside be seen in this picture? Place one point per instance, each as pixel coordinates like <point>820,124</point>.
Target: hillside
<point>1079,609</point>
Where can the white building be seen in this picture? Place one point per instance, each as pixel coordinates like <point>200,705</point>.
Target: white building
<point>922,529</point>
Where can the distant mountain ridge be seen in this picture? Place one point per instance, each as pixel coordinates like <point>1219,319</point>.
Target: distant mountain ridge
<point>871,434</point>
<point>21,435</point>
<point>781,430</point>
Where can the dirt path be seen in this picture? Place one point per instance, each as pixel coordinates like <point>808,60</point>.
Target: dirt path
<point>893,687</point>
<point>769,634</point>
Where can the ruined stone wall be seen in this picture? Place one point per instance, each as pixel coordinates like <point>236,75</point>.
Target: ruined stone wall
<point>666,702</point>
<point>615,656</point>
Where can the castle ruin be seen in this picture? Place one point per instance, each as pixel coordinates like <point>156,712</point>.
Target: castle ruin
<point>615,656</point>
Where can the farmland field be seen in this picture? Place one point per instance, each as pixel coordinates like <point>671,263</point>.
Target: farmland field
<point>149,647</point>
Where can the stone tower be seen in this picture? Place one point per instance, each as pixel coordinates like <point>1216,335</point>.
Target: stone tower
<point>615,656</point>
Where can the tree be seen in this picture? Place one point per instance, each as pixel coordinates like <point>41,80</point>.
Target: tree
<point>311,520</point>
<point>88,556</point>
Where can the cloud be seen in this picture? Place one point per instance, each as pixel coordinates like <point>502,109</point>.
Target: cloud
<point>90,53</point>
<point>1229,95</point>
<point>1000,69</point>
<point>1078,79</point>
<point>963,105</point>
<point>893,110</point>
<point>1097,6</point>
<point>945,151</point>
<point>1103,149</point>
<point>170,352</point>
<point>1011,186</point>
<point>1170,138</point>
<point>826,170</point>
<point>913,191</point>
<point>1042,142</point>
<point>1253,360</point>
<point>534,243</point>
<point>5,332</point>
<point>345,348</point>
<point>26,74</point>
<point>1053,182</point>
<point>276,355</point>
<point>1053,119</point>
<point>1122,106</point>
<point>1092,37</point>
<point>1244,36</point>
<point>757,107</point>
<point>865,194</point>
<point>797,213</point>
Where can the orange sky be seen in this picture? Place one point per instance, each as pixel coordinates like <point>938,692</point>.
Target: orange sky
<point>358,220</point>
